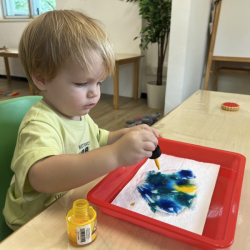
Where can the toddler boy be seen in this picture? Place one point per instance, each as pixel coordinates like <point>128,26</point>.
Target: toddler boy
<point>66,55</point>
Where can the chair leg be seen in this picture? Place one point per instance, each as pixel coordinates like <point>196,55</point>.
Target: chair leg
<point>136,78</point>
<point>216,75</point>
<point>116,87</point>
<point>7,68</point>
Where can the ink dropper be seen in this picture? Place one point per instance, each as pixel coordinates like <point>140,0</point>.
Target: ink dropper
<point>155,155</point>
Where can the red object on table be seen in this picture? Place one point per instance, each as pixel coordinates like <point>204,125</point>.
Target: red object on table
<point>230,106</point>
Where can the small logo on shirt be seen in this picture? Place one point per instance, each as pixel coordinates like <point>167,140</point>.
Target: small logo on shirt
<point>58,196</point>
<point>85,150</point>
<point>84,147</point>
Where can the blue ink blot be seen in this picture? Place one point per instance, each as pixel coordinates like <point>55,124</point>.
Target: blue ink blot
<point>169,193</point>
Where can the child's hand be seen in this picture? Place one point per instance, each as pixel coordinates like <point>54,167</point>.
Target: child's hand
<point>134,146</point>
<point>145,126</point>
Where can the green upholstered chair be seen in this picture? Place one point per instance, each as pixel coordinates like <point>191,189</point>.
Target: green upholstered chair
<point>11,114</point>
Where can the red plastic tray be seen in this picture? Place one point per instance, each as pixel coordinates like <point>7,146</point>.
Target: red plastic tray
<point>221,220</point>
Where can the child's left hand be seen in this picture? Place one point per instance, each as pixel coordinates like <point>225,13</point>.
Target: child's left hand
<point>146,127</point>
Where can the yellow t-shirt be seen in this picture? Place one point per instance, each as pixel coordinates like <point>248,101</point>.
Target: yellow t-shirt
<point>44,133</point>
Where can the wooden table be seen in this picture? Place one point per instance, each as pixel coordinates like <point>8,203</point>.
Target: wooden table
<point>14,54</point>
<point>124,59</point>
<point>120,59</point>
<point>199,120</point>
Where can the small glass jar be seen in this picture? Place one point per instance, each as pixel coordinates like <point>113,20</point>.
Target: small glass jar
<point>81,223</point>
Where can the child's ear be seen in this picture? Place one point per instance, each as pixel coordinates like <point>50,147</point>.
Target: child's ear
<point>38,80</point>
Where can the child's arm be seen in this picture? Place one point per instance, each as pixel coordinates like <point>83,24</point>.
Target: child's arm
<point>64,172</point>
<point>116,135</point>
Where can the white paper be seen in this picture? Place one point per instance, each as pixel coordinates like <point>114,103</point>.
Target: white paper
<point>189,219</point>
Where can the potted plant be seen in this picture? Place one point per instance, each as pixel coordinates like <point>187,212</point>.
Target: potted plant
<point>157,14</point>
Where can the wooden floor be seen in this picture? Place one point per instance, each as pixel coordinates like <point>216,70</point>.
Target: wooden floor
<point>103,113</point>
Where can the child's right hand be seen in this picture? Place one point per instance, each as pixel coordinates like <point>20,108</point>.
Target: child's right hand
<point>134,146</point>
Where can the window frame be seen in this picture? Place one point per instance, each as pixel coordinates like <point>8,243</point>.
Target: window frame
<point>31,14</point>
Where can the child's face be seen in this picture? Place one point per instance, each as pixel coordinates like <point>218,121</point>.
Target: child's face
<point>73,92</point>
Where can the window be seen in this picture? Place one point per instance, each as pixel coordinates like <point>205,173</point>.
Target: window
<point>26,8</point>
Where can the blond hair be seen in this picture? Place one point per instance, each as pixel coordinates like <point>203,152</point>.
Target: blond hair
<point>61,38</point>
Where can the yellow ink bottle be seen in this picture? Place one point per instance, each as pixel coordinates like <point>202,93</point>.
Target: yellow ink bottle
<point>81,223</point>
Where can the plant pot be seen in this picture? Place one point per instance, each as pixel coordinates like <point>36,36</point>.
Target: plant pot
<point>156,95</point>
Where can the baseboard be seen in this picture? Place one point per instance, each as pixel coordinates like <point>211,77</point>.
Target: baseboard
<point>16,78</point>
<point>144,95</point>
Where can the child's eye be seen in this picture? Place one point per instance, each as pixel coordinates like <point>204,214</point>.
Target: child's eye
<point>99,83</point>
<point>81,84</point>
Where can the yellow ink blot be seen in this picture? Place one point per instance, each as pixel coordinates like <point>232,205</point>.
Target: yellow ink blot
<point>186,189</point>
<point>132,204</point>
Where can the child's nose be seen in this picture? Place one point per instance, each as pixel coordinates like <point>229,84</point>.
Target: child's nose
<point>94,91</point>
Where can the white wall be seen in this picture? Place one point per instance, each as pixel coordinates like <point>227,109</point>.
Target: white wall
<point>10,35</point>
<point>233,34</point>
<point>189,44</point>
<point>233,39</point>
<point>186,56</point>
<point>187,50</point>
<point>11,32</point>
<point>123,24</point>
<point>121,19</point>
